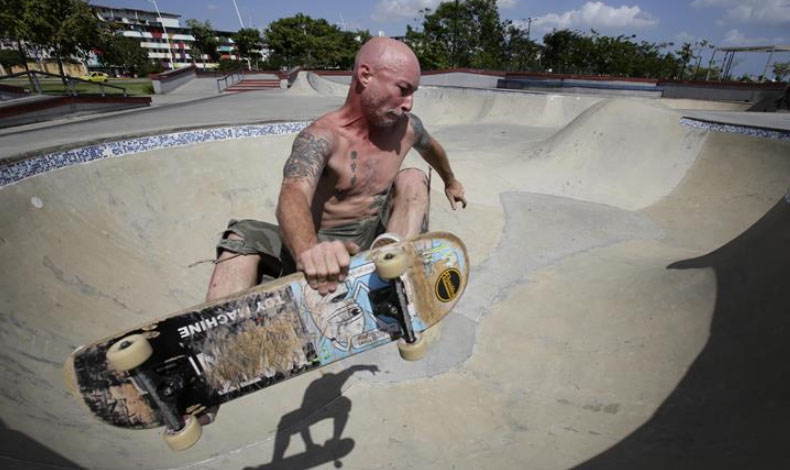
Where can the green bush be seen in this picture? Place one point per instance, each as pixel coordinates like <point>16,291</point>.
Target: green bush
<point>227,65</point>
<point>156,68</point>
<point>10,58</point>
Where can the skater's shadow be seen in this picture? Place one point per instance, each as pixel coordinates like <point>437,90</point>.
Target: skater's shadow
<point>18,451</point>
<point>732,408</point>
<point>313,410</point>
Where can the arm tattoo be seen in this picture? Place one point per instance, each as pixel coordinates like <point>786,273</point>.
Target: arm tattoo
<point>422,139</point>
<point>307,158</point>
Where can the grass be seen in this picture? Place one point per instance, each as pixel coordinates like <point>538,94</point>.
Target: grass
<point>54,86</point>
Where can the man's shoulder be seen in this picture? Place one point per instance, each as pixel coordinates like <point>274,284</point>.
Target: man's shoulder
<point>413,118</point>
<point>420,135</point>
<point>325,126</point>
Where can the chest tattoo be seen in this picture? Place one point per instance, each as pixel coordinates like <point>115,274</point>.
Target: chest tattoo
<point>353,167</point>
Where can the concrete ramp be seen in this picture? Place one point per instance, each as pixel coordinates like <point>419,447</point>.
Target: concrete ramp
<point>312,84</point>
<point>605,155</point>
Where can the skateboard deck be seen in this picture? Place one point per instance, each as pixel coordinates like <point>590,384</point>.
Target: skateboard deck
<point>215,352</point>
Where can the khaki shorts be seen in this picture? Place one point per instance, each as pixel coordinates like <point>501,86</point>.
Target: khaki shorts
<point>263,238</point>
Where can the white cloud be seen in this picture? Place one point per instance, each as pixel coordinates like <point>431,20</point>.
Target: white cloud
<point>598,15</point>
<point>395,10</point>
<point>772,12</point>
<point>734,37</point>
<point>684,36</point>
<point>389,10</point>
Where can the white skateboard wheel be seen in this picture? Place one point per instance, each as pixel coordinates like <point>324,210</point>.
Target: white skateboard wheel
<point>129,352</point>
<point>386,238</point>
<point>186,437</point>
<point>390,264</point>
<point>413,351</point>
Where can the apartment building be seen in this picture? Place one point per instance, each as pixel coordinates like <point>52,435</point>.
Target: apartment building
<point>165,39</point>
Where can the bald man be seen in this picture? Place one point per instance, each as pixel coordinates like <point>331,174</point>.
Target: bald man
<point>342,184</point>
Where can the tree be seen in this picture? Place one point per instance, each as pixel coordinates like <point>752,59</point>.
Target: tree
<point>568,51</point>
<point>248,41</point>
<point>313,43</point>
<point>521,53</point>
<point>781,70</point>
<point>574,52</point>
<point>65,27</point>
<point>686,54</point>
<point>206,42</point>
<point>466,33</point>
<point>701,45</point>
<point>119,51</point>
<point>705,73</point>
<point>14,25</point>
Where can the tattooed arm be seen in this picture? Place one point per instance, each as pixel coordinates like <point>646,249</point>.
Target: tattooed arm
<point>433,153</point>
<point>324,263</point>
<point>302,170</point>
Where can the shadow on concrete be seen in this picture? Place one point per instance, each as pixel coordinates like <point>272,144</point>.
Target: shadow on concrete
<point>16,450</point>
<point>732,408</point>
<point>313,410</point>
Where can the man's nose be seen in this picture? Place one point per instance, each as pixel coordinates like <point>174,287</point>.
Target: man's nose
<point>407,103</point>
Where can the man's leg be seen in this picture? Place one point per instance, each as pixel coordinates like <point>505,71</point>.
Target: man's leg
<point>249,249</point>
<point>409,213</point>
<point>233,272</point>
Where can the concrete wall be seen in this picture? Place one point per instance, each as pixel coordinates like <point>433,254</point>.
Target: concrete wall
<point>460,79</point>
<point>46,110</point>
<point>592,87</point>
<point>12,92</point>
<point>713,92</point>
<point>166,82</point>
<point>344,79</point>
<point>74,70</point>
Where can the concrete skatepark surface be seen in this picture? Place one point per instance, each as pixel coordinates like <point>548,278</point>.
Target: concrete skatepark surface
<point>626,307</point>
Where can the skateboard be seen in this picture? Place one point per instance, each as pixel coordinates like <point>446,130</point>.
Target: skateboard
<point>169,371</point>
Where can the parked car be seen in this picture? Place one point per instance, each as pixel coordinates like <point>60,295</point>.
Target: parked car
<point>98,77</point>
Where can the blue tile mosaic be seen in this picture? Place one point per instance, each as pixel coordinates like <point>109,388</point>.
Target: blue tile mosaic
<point>745,130</point>
<point>13,172</point>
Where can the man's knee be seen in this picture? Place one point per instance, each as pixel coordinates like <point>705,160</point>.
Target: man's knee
<point>412,182</point>
<point>234,236</point>
<point>230,247</point>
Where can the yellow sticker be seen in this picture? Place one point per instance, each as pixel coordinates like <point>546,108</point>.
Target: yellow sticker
<point>448,284</point>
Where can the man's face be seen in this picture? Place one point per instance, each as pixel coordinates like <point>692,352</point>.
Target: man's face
<point>390,95</point>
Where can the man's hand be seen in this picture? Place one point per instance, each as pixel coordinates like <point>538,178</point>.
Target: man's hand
<point>455,193</point>
<point>326,264</point>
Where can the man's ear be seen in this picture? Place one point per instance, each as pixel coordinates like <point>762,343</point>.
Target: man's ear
<point>364,75</point>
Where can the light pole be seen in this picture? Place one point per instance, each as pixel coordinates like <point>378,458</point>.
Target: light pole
<point>241,25</point>
<point>529,24</point>
<point>167,38</point>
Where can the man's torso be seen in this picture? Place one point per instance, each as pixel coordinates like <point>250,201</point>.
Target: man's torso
<point>359,173</point>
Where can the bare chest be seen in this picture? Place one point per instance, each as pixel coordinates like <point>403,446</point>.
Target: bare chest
<point>358,170</point>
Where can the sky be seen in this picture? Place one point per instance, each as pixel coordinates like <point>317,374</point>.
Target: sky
<point>720,22</point>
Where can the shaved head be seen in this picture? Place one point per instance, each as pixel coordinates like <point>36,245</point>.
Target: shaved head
<point>386,75</point>
<point>388,53</point>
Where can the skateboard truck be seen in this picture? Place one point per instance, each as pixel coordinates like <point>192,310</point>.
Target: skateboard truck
<point>391,263</point>
<point>408,331</point>
<point>129,355</point>
<point>164,401</point>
